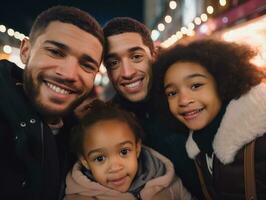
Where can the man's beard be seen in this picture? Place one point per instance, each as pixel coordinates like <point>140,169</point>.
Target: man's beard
<point>32,90</point>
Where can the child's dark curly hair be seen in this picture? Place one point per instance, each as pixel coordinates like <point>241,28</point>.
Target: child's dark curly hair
<point>228,63</point>
<point>102,111</point>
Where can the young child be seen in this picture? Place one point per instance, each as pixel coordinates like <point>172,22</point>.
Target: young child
<point>113,164</point>
<point>215,91</point>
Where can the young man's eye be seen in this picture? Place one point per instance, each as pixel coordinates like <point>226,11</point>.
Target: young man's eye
<point>112,64</point>
<point>137,57</point>
<point>124,152</point>
<point>196,85</point>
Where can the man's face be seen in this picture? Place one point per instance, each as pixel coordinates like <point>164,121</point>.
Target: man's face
<point>128,63</point>
<point>60,67</point>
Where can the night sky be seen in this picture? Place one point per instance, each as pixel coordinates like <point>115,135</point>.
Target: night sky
<point>19,15</point>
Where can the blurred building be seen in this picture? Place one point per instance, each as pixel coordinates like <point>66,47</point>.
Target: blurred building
<point>176,21</point>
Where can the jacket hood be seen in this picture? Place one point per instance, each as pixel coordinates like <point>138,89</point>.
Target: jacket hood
<point>78,183</point>
<point>244,120</point>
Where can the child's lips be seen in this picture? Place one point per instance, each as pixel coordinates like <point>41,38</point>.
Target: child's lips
<point>118,181</point>
<point>189,115</point>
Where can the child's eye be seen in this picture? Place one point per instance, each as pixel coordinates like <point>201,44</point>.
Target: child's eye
<point>196,85</point>
<point>170,94</point>
<point>100,159</point>
<point>124,152</point>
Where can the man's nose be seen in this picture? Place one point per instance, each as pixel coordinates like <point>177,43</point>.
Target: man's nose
<point>127,70</point>
<point>68,69</point>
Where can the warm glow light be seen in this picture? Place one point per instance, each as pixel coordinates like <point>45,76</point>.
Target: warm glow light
<point>2,28</point>
<point>98,79</point>
<point>161,27</point>
<point>184,30</point>
<point>253,34</point>
<point>179,34</point>
<point>210,10</point>
<point>191,26</point>
<point>204,17</point>
<point>197,21</point>
<point>10,32</point>
<point>168,19</point>
<point>172,5</point>
<point>7,49</point>
<point>222,2</point>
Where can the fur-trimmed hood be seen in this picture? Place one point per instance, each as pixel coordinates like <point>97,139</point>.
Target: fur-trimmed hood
<point>243,121</point>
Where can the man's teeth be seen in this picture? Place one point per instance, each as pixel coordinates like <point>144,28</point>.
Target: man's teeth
<point>132,85</point>
<point>57,89</point>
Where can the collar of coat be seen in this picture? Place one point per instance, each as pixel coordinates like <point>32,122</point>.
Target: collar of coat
<point>243,121</point>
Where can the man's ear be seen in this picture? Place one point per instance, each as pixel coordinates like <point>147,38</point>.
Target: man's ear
<point>138,147</point>
<point>25,47</point>
<point>84,162</point>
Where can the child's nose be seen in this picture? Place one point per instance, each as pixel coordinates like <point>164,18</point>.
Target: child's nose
<point>115,165</point>
<point>184,99</point>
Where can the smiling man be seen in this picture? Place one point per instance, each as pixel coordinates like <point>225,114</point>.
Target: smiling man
<point>128,57</point>
<point>61,57</point>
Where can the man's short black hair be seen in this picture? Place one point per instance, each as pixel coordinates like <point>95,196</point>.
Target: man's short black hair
<point>119,25</point>
<point>66,14</point>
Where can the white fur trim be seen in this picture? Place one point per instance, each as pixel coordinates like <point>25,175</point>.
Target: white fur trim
<point>191,146</point>
<point>243,121</point>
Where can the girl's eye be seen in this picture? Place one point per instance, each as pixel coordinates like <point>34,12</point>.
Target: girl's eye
<point>124,152</point>
<point>170,93</point>
<point>100,159</point>
<point>196,85</point>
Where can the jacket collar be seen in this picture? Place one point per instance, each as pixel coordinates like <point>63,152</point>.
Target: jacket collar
<point>244,120</point>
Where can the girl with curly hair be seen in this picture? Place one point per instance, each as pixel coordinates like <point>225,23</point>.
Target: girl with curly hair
<point>217,93</point>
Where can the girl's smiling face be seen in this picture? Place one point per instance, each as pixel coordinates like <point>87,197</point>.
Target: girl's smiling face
<point>192,94</point>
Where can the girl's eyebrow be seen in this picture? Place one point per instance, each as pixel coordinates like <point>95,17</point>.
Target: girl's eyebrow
<point>190,76</point>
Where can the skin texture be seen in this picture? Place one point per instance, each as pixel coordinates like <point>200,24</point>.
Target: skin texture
<point>111,153</point>
<point>60,68</point>
<point>192,95</point>
<point>129,65</point>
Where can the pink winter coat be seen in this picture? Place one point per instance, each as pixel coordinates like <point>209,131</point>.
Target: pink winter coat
<point>166,187</point>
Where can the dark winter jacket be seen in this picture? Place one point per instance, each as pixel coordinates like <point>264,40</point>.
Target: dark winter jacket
<point>244,120</point>
<point>30,167</point>
<point>163,136</point>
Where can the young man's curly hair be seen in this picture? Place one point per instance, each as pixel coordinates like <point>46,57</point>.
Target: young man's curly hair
<point>228,63</point>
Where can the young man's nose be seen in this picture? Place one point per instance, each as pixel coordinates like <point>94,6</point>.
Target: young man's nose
<point>127,70</point>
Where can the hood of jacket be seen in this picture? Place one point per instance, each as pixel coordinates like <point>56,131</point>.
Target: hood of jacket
<point>78,183</point>
<point>244,120</point>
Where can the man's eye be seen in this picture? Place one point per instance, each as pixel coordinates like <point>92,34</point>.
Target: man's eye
<point>124,152</point>
<point>137,58</point>
<point>89,67</point>
<point>112,64</point>
<point>56,52</point>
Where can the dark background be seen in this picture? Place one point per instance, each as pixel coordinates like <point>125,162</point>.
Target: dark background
<point>20,15</point>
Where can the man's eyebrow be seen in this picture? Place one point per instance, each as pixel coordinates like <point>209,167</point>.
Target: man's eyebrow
<point>135,49</point>
<point>60,45</point>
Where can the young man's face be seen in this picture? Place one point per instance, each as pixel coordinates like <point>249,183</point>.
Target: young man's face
<point>128,63</point>
<point>60,67</point>
<point>111,153</point>
<point>192,94</point>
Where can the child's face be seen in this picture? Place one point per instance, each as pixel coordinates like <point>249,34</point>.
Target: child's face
<point>192,94</point>
<point>111,153</point>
